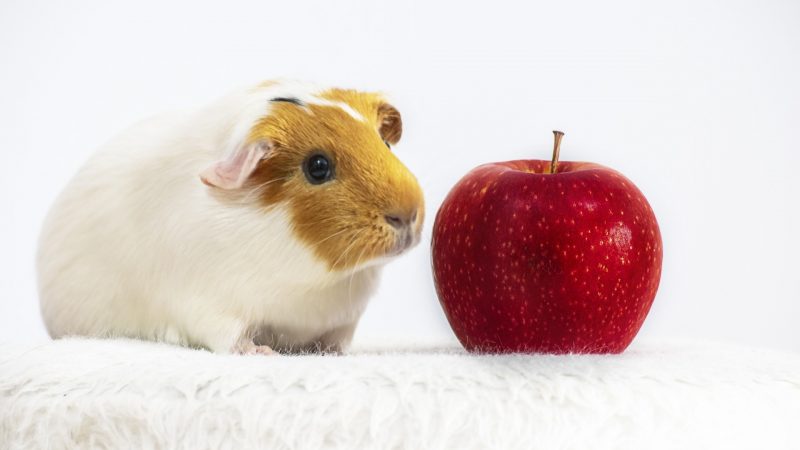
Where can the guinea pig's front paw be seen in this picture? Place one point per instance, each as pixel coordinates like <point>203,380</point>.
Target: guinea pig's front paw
<point>249,348</point>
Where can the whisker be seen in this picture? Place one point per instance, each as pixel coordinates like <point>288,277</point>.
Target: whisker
<point>352,275</point>
<point>355,239</point>
<point>327,219</point>
<point>334,234</point>
<point>258,190</point>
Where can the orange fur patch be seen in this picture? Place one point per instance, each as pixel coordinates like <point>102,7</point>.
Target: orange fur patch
<point>341,220</point>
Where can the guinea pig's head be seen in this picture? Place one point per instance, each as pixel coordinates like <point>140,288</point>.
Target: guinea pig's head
<point>327,158</point>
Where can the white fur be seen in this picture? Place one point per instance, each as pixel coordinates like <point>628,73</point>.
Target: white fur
<point>137,246</point>
<point>126,394</point>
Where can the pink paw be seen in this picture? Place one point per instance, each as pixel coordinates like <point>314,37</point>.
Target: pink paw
<point>253,349</point>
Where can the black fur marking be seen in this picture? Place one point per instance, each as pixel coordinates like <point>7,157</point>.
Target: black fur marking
<point>288,100</point>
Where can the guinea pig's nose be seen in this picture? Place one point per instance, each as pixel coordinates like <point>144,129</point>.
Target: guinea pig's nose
<point>400,220</point>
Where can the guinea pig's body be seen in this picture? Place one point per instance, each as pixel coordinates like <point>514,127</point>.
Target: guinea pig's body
<point>216,228</point>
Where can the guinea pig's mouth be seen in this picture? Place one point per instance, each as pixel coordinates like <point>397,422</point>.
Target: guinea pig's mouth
<point>405,240</point>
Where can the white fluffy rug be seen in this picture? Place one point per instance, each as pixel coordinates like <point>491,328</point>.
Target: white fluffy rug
<point>127,394</point>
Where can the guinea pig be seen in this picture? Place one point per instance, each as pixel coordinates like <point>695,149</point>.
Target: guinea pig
<point>259,223</point>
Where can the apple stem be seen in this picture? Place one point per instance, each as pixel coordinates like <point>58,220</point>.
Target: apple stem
<point>557,135</point>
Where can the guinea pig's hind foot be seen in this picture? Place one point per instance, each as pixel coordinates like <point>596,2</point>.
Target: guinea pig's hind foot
<point>249,348</point>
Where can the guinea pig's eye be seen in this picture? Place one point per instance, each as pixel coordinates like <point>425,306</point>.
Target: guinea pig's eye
<point>387,145</point>
<point>318,169</point>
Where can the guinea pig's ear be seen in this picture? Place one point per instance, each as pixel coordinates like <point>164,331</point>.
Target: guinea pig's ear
<point>390,125</point>
<point>233,170</point>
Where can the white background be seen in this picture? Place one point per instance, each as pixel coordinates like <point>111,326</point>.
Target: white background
<point>697,102</point>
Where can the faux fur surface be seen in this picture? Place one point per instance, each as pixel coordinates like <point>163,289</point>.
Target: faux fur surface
<point>129,394</point>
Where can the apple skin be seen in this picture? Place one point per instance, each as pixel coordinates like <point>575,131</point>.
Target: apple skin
<point>533,262</point>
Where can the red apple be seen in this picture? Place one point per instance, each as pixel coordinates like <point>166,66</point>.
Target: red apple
<point>542,256</point>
